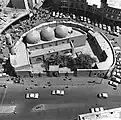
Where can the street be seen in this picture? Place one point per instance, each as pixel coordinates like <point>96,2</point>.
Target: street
<point>78,99</point>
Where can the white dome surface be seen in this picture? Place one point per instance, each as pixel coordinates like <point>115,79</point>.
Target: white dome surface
<point>32,37</point>
<point>47,34</point>
<point>61,31</point>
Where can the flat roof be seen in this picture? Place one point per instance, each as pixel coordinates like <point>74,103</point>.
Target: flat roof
<point>103,114</point>
<point>104,46</point>
<point>21,57</point>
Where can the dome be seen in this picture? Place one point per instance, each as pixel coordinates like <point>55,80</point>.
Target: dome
<point>61,31</point>
<point>47,33</point>
<point>32,37</point>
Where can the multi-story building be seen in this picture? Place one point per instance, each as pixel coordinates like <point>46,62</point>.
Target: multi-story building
<point>104,14</point>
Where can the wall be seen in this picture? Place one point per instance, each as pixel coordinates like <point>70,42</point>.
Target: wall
<point>79,40</point>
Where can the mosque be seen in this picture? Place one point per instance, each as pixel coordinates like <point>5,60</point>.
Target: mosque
<point>37,44</point>
<point>59,38</point>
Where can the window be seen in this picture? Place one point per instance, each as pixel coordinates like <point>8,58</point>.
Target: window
<point>38,59</point>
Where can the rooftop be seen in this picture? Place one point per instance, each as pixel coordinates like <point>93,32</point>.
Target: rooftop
<point>75,33</point>
<point>112,114</point>
<point>86,49</point>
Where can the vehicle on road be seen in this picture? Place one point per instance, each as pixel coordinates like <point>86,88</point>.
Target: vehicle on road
<point>32,95</point>
<point>112,83</point>
<point>58,92</point>
<point>92,110</point>
<point>102,95</point>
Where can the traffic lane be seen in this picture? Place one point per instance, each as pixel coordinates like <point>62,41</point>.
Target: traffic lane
<point>68,113</point>
<point>72,95</point>
<point>17,92</point>
<point>83,105</point>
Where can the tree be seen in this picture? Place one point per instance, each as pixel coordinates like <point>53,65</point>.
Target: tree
<point>85,61</point>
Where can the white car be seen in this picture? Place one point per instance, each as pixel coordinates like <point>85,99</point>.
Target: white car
<point>100,26</point>
<point>32,95</point>
<point>103,95</point>
<point>109,28</point>
<point>81,18</point>
<point>114,84</point>
<point>104,27</point>
<point>92,110</point>
<point>58,92</point>
<point>116,79</point>
<point>116,73</point>
<point>96,24</point>
<point>88,20</point>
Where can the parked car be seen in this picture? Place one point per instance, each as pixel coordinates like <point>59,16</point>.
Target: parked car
<point>116,79</point>
<point>119,59</point>
<point>118,70</point>
<point>116,73</point>
<point>96,24</point>
<point>81,18</point>
<point>109,28</point>
<point>118,67</point>
<point>118,63</point>
<point>58,92</point>
<point>102,95</point>
<point>32,95</point>
<point>113,33</point>
<point>104,27</point>
<point>100,26</point>
<point>92,110</point>
<point>112,83</point>
<point>88,20</point>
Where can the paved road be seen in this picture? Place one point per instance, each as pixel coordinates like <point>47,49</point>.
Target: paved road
<point>78,99</point>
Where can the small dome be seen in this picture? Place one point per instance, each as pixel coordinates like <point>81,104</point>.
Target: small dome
<point>47,33</point>
<point>32,37</point>
<point>61,31</point>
